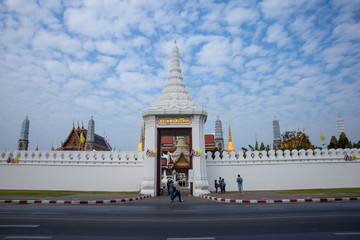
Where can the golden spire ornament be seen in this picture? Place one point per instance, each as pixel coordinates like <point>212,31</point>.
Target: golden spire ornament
<point>230,145</point>
<point>140,146</point>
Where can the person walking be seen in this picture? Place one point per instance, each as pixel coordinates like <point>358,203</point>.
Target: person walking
<point>223,184</point>
<point>216,186</point>
<point>220,185</point>
<point>177,191</point>
<point>172,190</point>
<point>239,181</point>
<point>168,184</point>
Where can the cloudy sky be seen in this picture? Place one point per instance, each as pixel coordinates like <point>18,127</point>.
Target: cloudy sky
<point>64,61</point>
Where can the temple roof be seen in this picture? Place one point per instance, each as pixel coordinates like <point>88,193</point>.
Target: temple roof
<point>175,99</point>
<point>72,142</point>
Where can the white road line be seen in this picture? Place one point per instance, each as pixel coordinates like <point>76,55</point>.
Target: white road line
<point>47,213</point>
<point>186,210</point>
<point>19,226</point>
<point>28,237</point>
<point>347,233</point>
<point>195,238</point>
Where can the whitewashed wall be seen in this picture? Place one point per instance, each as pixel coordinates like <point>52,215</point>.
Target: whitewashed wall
<point>86,171</point>
<point>286,170</point>
<point>124,171</point>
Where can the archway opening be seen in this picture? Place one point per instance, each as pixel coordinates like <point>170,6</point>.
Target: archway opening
<point>174,158</point>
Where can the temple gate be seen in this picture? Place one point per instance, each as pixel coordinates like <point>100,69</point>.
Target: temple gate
<point>175,114</point>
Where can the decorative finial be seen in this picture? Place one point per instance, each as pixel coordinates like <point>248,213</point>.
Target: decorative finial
<point>175,41</point>
<point>140,146</point>
<point>230,145</point>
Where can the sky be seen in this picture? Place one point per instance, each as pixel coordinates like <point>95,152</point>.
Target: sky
<point>62,62</point>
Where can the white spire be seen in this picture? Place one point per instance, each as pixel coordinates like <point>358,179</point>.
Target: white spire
<point>175,95</point>
<point>341,125</point>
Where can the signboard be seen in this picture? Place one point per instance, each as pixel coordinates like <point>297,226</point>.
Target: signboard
<point>174,121</point>
<point>191,175</point>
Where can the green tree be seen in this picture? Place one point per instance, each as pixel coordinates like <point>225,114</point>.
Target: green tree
<point>217,150</point>
<point>343,141</point>
<point>333,143</point>
<point>257,148</point>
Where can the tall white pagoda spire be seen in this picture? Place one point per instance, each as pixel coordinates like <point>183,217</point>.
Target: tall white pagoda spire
<point>175,95</point>
<point>341,125</point>
<point>24,135</point>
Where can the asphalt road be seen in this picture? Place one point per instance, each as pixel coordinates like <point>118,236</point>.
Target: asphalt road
<point>195,218</point>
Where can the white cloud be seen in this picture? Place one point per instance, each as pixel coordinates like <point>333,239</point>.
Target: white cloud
<point>45,41</point>
<point>276,34</point>
<point>110,48</point>
<point>239,16</point>
<point>280,8</point>
<point>252,49</point>
<point>215,53</point>
<point>87,70</point>
<point>335,55</point>
<point>348,31</point>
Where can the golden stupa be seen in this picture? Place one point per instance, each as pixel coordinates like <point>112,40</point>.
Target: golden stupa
<point>140,147</point>
<point>230,145</point>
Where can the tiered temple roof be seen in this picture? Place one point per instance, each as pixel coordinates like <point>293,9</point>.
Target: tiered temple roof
<point>73,142</point>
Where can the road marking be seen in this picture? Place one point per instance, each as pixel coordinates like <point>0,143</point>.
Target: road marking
<point>19,226</point>
<point>47,213</point>
<point>347,233</point>
<point>28,237</point>
<point>197,238</point>
<point>180,220</point>
<point>186,210</point>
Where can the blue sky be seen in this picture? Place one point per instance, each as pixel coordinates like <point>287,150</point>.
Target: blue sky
<point>64,61</point>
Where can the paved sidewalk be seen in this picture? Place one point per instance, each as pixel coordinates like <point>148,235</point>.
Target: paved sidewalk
<point>75,197</point>
<point>185,195</point>
<point>276,196</point>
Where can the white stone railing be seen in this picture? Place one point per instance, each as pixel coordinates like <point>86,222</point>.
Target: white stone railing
<point>279,156</point>
<point>72,158</point>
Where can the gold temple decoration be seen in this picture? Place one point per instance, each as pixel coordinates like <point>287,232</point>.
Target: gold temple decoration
<point>182,161</point>
<point>175,121</point>
<point>140,146</point>
<point>230,145</point>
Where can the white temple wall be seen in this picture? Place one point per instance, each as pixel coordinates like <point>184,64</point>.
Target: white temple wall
<point>77,171</point>
<point>286,170</point>
<point>124,171</point>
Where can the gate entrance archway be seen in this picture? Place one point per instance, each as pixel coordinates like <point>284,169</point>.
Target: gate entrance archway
<point>174,159</point>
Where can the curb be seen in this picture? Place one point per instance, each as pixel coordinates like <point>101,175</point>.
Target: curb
<point>279,200</point>
<point>75,201</point>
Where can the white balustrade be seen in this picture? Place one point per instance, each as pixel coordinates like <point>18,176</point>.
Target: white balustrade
<point>72,157</point>
<point>279,156</point>
<point>136,158</point>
